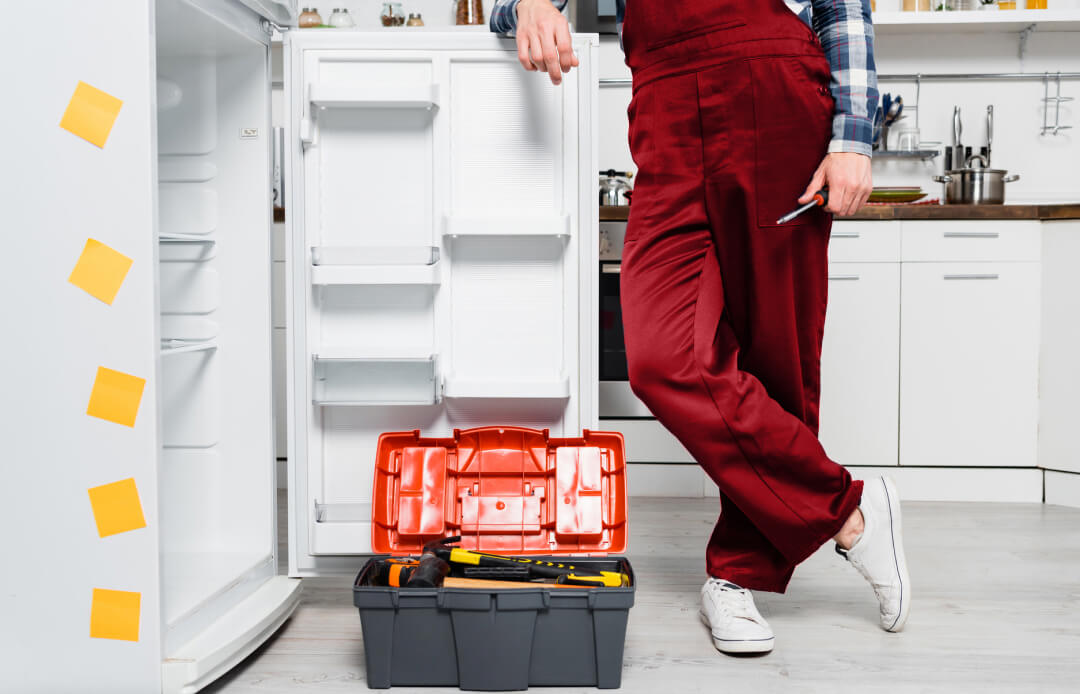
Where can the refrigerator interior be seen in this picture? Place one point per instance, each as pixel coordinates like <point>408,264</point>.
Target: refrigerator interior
<point>437,277</point>
<point>216,462</point>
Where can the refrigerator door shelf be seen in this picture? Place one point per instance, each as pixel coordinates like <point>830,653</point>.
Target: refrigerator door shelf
<point>403,96</point>
<point>371,381</point>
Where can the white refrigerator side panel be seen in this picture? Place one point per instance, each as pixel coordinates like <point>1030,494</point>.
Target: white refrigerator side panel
<point>60,190</point>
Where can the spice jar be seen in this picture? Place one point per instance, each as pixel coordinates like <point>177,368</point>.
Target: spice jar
<point>341,19</point>
<point>415,20</point>
<point>392,14</point>
<point>469,12</point>
<point>309,18</point>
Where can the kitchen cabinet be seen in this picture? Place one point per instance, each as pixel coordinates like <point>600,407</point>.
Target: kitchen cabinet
<point>439,273</point>
<point>969,363</point>
<point>861,348</point>
<point>859,358</point>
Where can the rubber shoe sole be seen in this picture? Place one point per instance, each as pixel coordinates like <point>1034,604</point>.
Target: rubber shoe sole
<point>898,555</point>
<point>738,645</point>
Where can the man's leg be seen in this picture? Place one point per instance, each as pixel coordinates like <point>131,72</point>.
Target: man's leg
<point>684,354</point>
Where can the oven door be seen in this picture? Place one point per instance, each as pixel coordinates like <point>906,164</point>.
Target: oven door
<point>616,398</point>
<point>594,16</point>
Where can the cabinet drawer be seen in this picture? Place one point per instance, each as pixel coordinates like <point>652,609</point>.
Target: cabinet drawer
<point>976,240</point>
<point>865,242</point>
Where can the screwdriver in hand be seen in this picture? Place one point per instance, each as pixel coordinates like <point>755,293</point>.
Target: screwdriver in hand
<point>821,198</point>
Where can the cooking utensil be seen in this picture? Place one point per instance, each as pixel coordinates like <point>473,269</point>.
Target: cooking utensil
<point>615,188</point>
<point>989,132</point>
<point>976,185</point>
<point>957,130</point>
<point>879,120</point>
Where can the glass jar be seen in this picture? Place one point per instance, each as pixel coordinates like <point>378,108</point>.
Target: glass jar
<point>341,19</point>
<point>415,20</point>
<point>469,12</point>
<point>392,14</point>
<point>309,18</point>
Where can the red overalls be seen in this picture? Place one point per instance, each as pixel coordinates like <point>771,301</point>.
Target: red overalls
<point>723,309</point>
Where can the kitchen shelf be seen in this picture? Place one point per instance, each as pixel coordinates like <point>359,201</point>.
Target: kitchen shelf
<point>374,380</point>
<point>886,23</point>
<point>558,389</point>
<point>914,154</point>
<point>423,96</point>
<point>553,225</point>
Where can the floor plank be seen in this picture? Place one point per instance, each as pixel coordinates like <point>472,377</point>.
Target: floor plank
<point>997,593</point>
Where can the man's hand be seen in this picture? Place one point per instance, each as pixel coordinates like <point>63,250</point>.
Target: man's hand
<point>847,176</point>
<point>543,39</point>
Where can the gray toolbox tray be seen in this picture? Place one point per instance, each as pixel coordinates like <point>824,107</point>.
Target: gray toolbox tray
<point>496,640</point>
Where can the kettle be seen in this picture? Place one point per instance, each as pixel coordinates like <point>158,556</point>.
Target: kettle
<point>615,187</point>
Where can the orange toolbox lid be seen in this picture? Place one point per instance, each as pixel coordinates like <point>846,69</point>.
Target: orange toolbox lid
<point>507,490</point>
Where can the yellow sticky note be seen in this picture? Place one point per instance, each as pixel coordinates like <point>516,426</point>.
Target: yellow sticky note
<point>100,270</point>
<point>116,507</point>
<point>91,113</point>
<point>116,396</point>
<point>114,614</point>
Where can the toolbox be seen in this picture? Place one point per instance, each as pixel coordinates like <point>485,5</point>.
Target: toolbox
<point>510,491</point>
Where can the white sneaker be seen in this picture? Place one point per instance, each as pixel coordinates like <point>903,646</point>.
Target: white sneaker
<point>878,553</point>
<point>736,625</point>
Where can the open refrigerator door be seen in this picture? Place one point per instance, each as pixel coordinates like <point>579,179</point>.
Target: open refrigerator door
<point>441,258</point>
<point>221,592</point>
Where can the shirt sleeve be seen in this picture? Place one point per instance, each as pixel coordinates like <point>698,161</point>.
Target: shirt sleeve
<point>504,15</point>
<point>846,32</point>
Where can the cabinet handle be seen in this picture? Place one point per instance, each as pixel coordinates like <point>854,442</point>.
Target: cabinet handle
<point>843,277</point>
<point>844,234</point>
<point>974,276</point>
<point>971,234</point>
<point>611,269</point>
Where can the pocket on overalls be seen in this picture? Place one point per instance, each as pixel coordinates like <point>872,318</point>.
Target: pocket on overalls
<point>793,112</point>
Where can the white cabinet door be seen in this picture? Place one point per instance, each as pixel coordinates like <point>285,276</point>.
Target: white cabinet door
<point>969,363</point>
<point>860,364</point>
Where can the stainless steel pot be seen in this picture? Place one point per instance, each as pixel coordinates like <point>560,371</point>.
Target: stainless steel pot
<point>613,189</point>
<point>976,185</point>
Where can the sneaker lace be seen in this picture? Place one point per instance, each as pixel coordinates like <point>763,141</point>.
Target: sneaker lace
<point>734,602</point>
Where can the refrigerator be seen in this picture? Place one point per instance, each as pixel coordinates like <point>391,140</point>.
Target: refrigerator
<point>441,242</point>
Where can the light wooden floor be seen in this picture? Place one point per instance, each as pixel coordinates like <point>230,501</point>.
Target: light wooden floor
<point>996,609</point>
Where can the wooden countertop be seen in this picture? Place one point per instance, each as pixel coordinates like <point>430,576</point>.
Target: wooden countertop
<point>880,212</point>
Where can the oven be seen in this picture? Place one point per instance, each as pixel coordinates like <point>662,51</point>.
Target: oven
<point>616,398</point>
<point>593,16</point>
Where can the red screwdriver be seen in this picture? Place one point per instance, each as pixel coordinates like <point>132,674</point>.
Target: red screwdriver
<point>821,198</point>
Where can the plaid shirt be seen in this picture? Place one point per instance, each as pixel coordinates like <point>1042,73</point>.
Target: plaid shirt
<point>847,35</point>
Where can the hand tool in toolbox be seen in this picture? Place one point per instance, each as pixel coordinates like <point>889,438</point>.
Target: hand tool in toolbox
<point>425,572</point>
<point>564,574</point>
<point>820,199</point>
